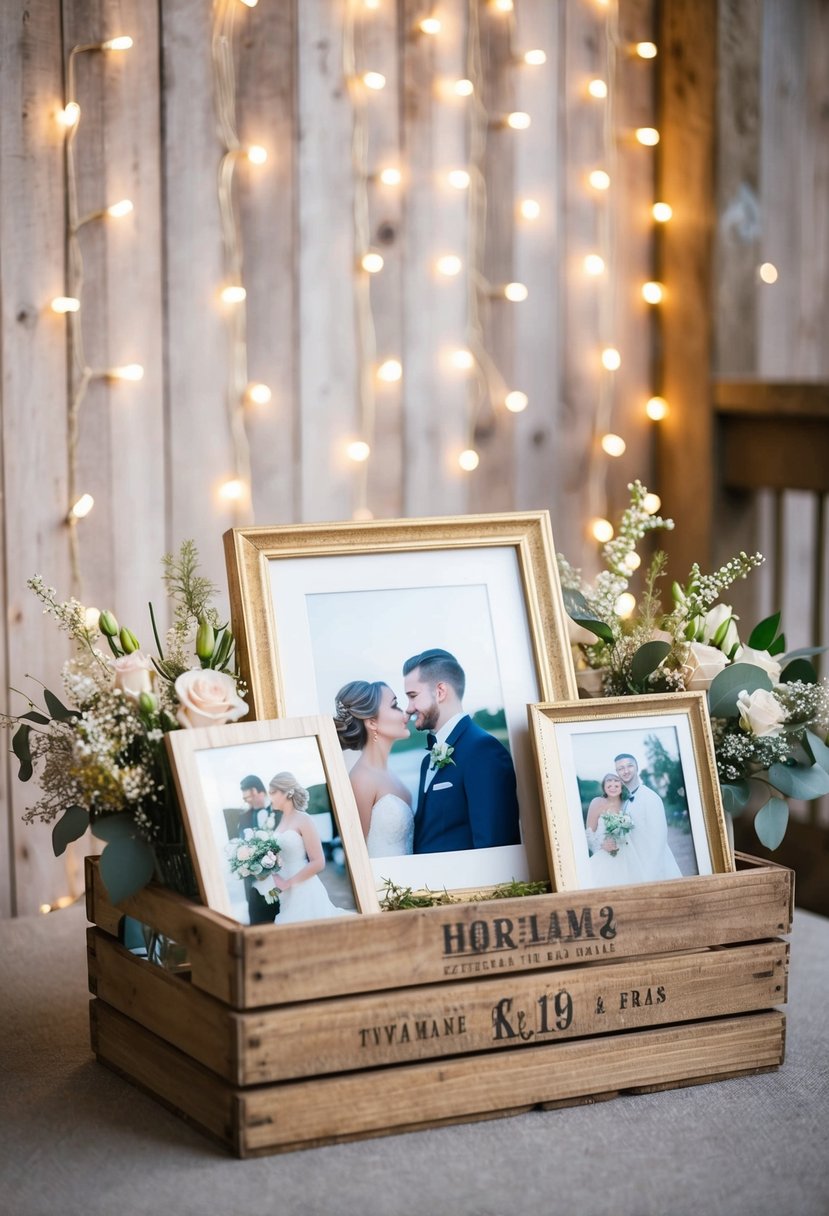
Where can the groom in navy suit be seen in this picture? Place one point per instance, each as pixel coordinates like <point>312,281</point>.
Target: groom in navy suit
<point>466,798</point>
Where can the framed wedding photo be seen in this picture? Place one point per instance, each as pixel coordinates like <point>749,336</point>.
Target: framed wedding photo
<point>271,821</point>
<point>330,618</point>
<point>630,790</point>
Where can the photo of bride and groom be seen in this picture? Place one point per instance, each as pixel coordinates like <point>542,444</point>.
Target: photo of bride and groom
<point>465,795</point>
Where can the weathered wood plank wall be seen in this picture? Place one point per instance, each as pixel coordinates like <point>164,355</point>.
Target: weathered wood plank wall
<point>155,453</point>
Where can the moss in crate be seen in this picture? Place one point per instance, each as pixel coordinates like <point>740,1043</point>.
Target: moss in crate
<point>395,898</point>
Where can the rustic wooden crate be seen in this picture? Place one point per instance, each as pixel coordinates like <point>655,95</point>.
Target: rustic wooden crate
<point>455,1013</point>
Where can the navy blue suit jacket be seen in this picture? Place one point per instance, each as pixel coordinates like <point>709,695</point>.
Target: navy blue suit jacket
<point>471,804</point>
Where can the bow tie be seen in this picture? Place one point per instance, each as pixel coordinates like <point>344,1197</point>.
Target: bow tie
<point>431,740</point>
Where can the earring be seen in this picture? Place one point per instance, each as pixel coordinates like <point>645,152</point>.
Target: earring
<point>374,735</point>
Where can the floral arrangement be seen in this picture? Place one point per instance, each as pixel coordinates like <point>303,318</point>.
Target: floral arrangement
<point>441,754</point>
<point>255,854</point>
<point>617,825</point>
<point>98,750</point>
<point>769,712</point>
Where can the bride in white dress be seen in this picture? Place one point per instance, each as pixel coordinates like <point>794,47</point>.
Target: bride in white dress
<point>369,720</point>
<point>302,895</point>
<point>613,862</point>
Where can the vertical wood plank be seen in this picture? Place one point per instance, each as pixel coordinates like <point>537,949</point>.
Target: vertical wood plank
<point>687,74</point>
<point>33,362</point>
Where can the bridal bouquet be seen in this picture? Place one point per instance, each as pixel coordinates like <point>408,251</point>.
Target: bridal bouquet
<point>255,854</point>
<point>617,824</point>
<point>97,750</point>
<point>769,712</point>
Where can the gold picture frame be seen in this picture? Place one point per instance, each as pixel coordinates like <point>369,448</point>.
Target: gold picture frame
<point>211,767</point>
<point>584,751</point>
<point>316,605</point>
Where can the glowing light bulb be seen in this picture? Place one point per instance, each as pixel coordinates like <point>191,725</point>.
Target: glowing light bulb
<point>234,294</point>
<point>469,460</point>
<point>371,4</point>
<point>123,43</point>
<point>250,3</point>
<point>597,88</point>
<point>516,292</point>
<point>358,451</point>
<point>651,503</point>
<point>768,272</point>
<point>516,401</point>
<point>518,120</point>
<point>535,58</point>
<point>502,6</point>
<point>430,25</point>
<point>625,605</point>
<point>614,445</point>
<point>372,262</point>
<point>602,530</point>
<point>390,371</point>
<point>130,371</point>
<point>647,136</point>
<point>65,304</point>
<point>459,179</point>
<point>662,212</point>
<point>463,360</point>
<point>463,88</point>
<point>633,561</point>
<point>233,489</point>
<point>44,909</point>
<point>653,293</point>
<point>646,50</point>
<point>593,264</point>
<point>391,176</point>
<point>70,115</point>
<point>656,408</point>
<point>256,154</point>
<point>530,209</point>
<point>123,207</point>
<point>374,80</point>
<point>259,394</point>
<point>449,265</point>
<point>611,358</point>
<point>81,507</point>
<point>599,180</point>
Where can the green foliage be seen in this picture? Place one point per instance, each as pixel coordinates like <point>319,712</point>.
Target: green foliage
<point>798,669</point>
<point>21,749</point>
<point>800,780</point>
<point>735,795</point>
<point>646,660</point>
<point>771,821</point>
<point>127,865</point>
<point>764,633</point>
<point>70,827</point>
<point>190,592</point>
<point>727,686</point>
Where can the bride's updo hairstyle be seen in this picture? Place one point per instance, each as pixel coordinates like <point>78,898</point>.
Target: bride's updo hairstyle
<point>287,784</point>
<point>356,701</point>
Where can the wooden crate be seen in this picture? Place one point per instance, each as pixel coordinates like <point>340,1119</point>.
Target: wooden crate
<point>287,1037</point>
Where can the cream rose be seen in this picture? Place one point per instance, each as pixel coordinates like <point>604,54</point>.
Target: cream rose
<point>133,674</point>
<point>760,713</point>
<point>701,665</point>
<point>760,658</point>
<point>208,698</point>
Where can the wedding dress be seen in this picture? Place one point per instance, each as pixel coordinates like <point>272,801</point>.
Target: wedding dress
<point>308,900</point>
<point>391,831</point>
<point>608,870</point>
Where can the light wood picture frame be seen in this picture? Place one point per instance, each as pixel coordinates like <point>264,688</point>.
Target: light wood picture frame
<point>318,605</point>
<point>649,759</point>
<point>212,765</point>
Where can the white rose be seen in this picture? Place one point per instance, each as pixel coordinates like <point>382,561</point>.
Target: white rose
<point>133,674</point>
<point>760,658</point>
<point>760,713</point>
<point>208,698</point>
<point>701,665</point>
<point>269,861</point>
<point>719,629</point>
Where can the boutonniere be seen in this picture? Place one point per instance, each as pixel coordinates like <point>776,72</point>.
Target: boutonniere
<point>441,755</point>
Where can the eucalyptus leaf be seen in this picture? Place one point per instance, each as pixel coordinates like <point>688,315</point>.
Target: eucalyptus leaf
<point>57,709</point>
<point>34,716</point>
<point>764,632</point>
<point>71,826</point>
<point>114,827</point>
<point>727,686</point>
<point>126,866</point>
<point>646,660</point>
<point>20,747</point>
<point>817,749</point>
<point>735,795</point>
<point>805,652</point>
<point>770,822</point>
<point>805,781</point>
<point>799,669</point>
<point>574,603</point>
